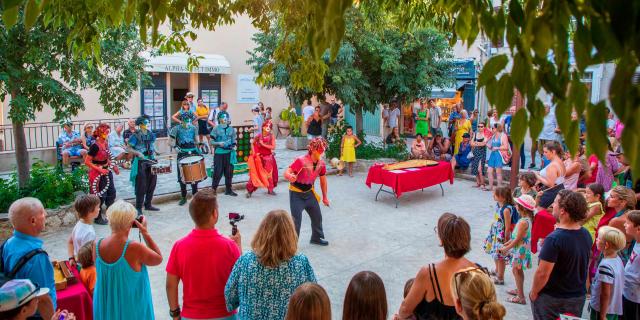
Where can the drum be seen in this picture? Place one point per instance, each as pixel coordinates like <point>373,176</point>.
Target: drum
<point>192,169</point>
<point>162,167</point>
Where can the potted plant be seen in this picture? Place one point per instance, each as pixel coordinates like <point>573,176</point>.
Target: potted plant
<point>295,140</point>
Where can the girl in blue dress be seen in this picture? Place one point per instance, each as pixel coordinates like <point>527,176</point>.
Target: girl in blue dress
<point>497,143</point>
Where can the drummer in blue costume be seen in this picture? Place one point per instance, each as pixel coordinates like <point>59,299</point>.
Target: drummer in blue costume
<point>223,138</point>
<point>185,135</point>
<point>142,146</point>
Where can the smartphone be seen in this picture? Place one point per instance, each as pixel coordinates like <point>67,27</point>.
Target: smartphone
<point>139,219</point>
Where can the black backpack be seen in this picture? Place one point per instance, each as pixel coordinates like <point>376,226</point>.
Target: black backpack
<point>6,276</point>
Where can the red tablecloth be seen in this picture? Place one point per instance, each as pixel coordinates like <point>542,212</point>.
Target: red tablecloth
<point>406,180</point>
<point>543,224</point>
<point>75,298</point>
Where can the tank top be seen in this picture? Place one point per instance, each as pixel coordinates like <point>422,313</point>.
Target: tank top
<point>475,138</point>
<point>315,127</point>
<point>435,309</point>
<point>543,173</point>
<point>120,292</point>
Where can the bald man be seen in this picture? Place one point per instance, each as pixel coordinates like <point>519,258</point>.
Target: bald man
<point>27,216</point>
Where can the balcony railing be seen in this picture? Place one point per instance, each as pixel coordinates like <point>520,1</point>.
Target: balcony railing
<point>44,135</point>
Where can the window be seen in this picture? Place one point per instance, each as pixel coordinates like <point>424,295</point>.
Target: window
<point>209,97</point>
<point>153,106</point>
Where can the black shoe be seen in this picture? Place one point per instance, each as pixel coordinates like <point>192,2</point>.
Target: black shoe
<point>320,242</point>
<point>273,193</point>
<point>531,166</point>
<point>151,208</point>
<point>183,200</point>
<point>231,193</point>
<point>248,195</point>
<point>101,221</point>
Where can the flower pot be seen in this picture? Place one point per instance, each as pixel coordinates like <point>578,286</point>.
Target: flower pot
<point>297,143</point>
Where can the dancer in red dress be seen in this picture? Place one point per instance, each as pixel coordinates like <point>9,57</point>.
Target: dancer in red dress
<point>263,170</point>
<point>98,161</point>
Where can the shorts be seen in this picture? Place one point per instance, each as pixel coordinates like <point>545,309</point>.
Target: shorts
<point>434,131</point>
<point>73,152</point>
<point>203,127</point>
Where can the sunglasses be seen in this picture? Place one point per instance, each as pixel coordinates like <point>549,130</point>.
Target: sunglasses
<point>29,295</point>
<point>458,275</point>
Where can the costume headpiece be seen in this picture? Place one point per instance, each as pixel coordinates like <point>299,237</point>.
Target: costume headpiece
<point>317,144</point>
<point>267,124</point>
<point>100,130</point>
<point>141,119</point>
<point>223,115</point>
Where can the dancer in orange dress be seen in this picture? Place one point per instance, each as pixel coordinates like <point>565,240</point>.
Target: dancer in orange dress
<point>263,170</point>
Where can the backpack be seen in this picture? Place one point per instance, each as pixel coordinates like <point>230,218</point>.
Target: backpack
<point>6,276</point>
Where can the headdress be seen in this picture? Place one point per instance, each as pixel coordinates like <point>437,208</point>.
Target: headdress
<point>141,119</point>
<point>267,124</point>
<point>100,129</point>
<point>223,115</point>
<point>317,144</point>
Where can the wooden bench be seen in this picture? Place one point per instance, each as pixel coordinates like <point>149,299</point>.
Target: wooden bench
<point>75,161</point>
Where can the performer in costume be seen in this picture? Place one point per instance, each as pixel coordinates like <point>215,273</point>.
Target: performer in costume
<point>302,174</point>
<point>263,171</point>
<point>101,170</point>
<point>185,135</point>
<point>224,139</point>
<point>141,145</point>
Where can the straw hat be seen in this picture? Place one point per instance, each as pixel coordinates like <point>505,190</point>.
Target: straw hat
<point>526,201</point>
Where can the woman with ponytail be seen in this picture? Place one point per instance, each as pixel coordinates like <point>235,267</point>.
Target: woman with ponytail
<point>475,295</point>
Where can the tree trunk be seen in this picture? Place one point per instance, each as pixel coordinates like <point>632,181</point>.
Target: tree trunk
<point>359,126</point>
<point>515,167</point>
<point>22,155</point>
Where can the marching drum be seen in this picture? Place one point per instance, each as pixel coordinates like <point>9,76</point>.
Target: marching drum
<point>192,169</point>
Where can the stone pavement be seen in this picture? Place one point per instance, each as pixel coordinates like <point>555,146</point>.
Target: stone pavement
<point>363,235</point>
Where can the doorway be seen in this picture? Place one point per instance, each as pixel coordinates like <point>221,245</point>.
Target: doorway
<point>179,86</point>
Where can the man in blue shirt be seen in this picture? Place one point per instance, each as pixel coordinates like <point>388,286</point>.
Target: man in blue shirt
<point>27,216</point>
<point>70,142</point>
<point>223,137</point>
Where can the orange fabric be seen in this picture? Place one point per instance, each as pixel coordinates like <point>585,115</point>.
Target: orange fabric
<point>88,278</point>
<point>258,175</point>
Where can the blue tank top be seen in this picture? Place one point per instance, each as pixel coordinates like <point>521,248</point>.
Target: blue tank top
<point>496,142</point>
<point>120,292</point>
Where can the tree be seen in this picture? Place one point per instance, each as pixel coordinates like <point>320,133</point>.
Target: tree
<point>376,63</point>
<point>38,68</point>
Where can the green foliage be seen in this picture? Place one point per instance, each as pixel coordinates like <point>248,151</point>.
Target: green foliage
<point>295,121</point>
<point>50,184</point>
<point>367,150</point>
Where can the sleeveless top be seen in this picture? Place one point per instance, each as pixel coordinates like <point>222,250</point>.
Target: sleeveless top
<point>435,309</point>
<point>559,179</point>
<point>120,292</point>
<point>315,127</point>
<point>475,137</point>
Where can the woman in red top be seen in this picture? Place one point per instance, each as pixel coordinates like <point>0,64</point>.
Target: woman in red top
<point>302,174</point>
<point>98,161</point>
<point>263,170</point>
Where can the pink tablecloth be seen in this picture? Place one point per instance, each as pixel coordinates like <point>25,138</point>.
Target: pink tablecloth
<point>543,224</point>
<point>406,180</point>
<point>75,298</point>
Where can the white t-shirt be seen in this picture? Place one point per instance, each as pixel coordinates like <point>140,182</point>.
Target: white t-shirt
<point>632,276</point>
<point>548,128</point>
<point>393,117</point>
<point>610,270</point>
<point>308,112</point>
<point>82,233</point>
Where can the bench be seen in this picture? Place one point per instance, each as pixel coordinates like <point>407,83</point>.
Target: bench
<point>75,161</point>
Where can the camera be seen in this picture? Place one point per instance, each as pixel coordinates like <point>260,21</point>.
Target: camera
<point>234,218</point>
<point>139,219</point>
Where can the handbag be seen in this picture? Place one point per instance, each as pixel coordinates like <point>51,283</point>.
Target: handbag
<point>470,155</point>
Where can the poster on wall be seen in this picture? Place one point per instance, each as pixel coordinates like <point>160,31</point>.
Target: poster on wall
<point>248,90</point>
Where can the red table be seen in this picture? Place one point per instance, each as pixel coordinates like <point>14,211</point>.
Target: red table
<point>75,298</point>
<point>406,180</point>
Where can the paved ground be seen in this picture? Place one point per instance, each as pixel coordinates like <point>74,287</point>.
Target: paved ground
<point>364,235</point>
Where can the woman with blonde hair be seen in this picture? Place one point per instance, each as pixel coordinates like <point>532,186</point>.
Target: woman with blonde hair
<point>309,302</point>
<point>263,280</point>
<point>475,295</point>
<point>122,289</point>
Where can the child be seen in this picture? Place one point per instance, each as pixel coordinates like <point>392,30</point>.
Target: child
<point>526,182</point>
<point>520,246</point>
<point>87,258</point>
<point>19,299</point>
<point>631,291</point>
<point>88,208</point>
<point>608,283</point>
<point>348,147</point>
<point>504,218</point>
<point>594,193</point>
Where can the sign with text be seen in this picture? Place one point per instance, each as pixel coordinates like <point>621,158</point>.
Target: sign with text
<point>248,90</point>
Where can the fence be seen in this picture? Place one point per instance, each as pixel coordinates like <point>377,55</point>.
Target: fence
<point>44,135</point>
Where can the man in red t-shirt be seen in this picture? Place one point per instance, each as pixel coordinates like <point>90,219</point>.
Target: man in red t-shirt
<point>202,260</point>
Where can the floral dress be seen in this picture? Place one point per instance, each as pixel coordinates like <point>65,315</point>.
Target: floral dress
<point>521,254</point>
<point>496,238</point>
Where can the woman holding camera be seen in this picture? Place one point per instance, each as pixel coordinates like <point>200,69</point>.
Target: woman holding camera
<point>122,288</point>
<point>263,280</point>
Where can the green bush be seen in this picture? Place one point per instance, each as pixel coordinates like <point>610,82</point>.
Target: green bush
<point>367,150</point>
<point>50,184</point>
<point>295,121</point>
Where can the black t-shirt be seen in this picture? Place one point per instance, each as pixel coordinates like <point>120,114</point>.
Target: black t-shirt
<point>569,250</point>
<point>334,110</point>
<point>315,127</point>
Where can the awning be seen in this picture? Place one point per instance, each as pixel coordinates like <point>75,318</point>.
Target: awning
<point>443,93</point>
<point>177,63</point>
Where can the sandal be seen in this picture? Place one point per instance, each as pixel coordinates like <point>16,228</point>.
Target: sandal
<point>513,292</point>
<point>493,273</point>
<point>517,300</point>
<point>498,282</point>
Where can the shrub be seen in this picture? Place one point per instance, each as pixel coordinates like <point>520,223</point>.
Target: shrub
<point>50,184</point>
<point>367,150</point>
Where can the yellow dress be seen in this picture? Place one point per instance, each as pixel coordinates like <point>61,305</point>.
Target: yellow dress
<point>463,128</point>
<point>348,149</point>
<point>593,222</point>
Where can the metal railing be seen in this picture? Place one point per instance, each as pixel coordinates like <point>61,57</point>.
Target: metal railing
<point>43,135</point>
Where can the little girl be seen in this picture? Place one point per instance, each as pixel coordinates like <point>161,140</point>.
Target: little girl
<point>594,193</point>
<point>608,283</point>
<point>348,149</point>
<point>504,219</point>
<point>520,246</point>
<point>87,259</point>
